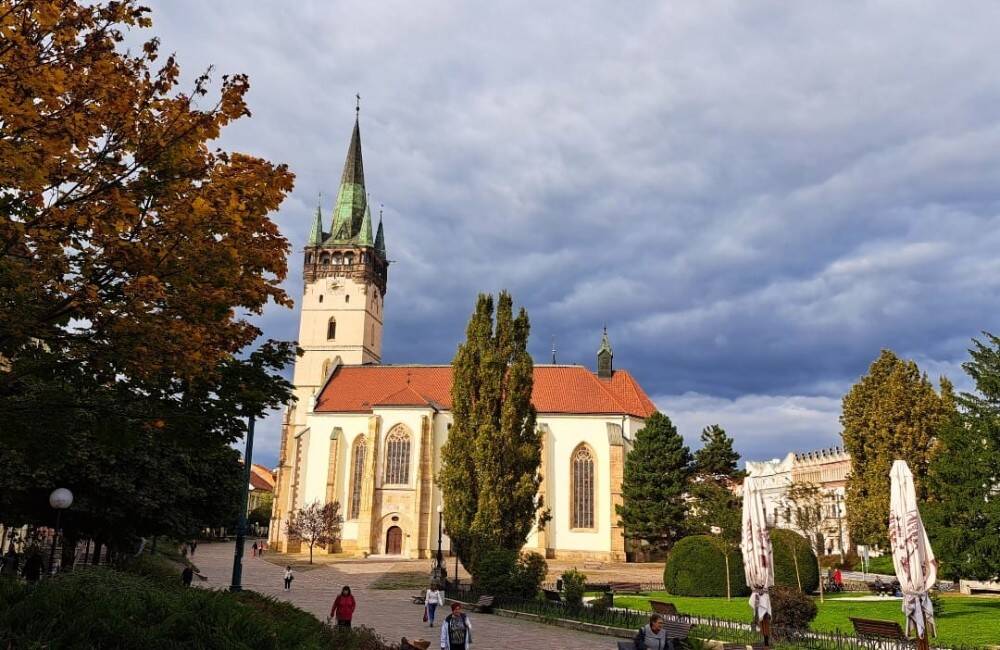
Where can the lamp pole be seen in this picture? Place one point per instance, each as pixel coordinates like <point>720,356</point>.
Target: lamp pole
<point>60,499</point>
<point>241,526</point>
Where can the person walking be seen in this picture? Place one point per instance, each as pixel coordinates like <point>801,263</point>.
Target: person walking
<point>652,636</point>
<point>838,580</point>
<point>343,607</point>
<point>194,547</point>
<point>456,631</point>
<point>288,578</point>
<point>253,550</point>
<point>432,599</point>
<point>187,575</point>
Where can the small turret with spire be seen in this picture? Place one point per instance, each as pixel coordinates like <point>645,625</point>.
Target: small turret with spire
<point>605,355</point>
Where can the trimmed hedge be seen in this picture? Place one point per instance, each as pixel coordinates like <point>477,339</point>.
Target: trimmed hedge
<point>101,607</point>
<point>696,566</point>
<point>784,543</point>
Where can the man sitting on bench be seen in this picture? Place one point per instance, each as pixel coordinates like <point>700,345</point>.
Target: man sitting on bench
<point>653,636</point>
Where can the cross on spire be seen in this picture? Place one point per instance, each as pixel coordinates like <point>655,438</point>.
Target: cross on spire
<point>357,104</point>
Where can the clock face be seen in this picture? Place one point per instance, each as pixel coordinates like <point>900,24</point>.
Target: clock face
<point>332,284</point>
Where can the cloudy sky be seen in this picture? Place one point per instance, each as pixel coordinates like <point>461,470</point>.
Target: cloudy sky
<point>756,197</point>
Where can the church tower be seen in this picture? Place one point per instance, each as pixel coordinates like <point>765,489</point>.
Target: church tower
<point>340,319</point>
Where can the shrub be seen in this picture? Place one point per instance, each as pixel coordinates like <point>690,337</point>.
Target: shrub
<point>529,573</point>
<point>100,607</point>
<point>505,573</point>
<point>696,566</point>
<point>791,549</point>
<point>574,584</point>
<point>791,609</point>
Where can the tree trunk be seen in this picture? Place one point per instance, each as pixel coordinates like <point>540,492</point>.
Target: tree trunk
<point>795,561</point>
<point>819,569</point>
<point>311,544</point>
<point>96,559</point>
<point>729,595</point>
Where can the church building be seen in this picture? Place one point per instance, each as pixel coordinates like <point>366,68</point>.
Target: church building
<point>368,435</point>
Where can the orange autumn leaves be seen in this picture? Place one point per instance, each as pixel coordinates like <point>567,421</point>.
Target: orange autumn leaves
<point>126,239</point>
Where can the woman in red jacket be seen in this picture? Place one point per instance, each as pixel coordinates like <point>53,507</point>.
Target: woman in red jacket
<point>343,608</point>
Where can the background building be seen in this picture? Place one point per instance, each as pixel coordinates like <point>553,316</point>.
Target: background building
<point>826,468</point>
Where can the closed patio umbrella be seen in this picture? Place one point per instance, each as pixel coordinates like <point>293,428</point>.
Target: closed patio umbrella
<point>912,557</point>
<point>758,560</point>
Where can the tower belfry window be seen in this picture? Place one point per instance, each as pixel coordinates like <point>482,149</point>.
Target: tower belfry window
<point>331,329</point>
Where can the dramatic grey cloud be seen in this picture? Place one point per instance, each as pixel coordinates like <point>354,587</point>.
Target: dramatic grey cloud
<point>755,197</point>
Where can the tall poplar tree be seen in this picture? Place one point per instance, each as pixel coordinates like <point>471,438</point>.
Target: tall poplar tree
<point>490,463</point>
<point>892,413</point>
<point>964,517</point>
<point>657,470</point>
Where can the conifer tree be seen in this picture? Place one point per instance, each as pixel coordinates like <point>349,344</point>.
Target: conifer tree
<point>892,413</point>
<point>656,476</point>
<point>964,517</point>
<point>716,457</point>
<point>489,473</point>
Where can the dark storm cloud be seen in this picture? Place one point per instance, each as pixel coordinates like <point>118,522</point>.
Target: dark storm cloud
<point>754,197</point>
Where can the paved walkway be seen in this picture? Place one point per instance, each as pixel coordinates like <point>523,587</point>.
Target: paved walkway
<point>390,612</point>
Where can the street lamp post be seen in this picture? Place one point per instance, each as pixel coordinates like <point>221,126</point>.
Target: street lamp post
<point>241,526</point>
<point>60,499</point>
<point>440,557</point>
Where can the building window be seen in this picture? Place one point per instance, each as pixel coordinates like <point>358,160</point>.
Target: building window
<point>347,297</point>
<point>321,297</point>
<point>331,329</point>
<point>397,457</point>
<point>357,477</point>
<point>349,258</point>
<point>309,258</point>
<point>583,488</point>
<point>336,258</point>
<point>324,259</point>
<point>326,371</point>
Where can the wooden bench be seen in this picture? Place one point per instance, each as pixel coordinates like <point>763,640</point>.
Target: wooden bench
<point>873,630</point>
<point>884,588</point>
<point>484,604</point>
<point>552,596</point>
<point>660,607</point>
<point>742,646</point>
<point>677,630</point>
<point>419,599</point>
<point>625,587</point>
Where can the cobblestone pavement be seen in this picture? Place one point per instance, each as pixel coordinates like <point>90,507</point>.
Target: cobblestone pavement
<point>389,612</point>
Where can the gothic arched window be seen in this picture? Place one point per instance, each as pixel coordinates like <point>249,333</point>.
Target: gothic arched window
<point>397,457</point>
<point>349,258</point>
<point>324,259</point>
<point>357,476</point>
<point>331,329</point>
<point>336,258</point>
<point>582,468</point>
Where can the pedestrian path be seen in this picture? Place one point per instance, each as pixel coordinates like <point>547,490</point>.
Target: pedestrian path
<point>389,612</point>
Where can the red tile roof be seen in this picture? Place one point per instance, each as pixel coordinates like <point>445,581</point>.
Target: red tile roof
<point>558,389</point>
<point>261,478</point>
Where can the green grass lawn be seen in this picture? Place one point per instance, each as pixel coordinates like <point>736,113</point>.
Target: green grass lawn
<point>965,619</point>
<point>881,564</point>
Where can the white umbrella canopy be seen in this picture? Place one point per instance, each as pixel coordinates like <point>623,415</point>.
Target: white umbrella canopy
<point>758,560</point>
<point>912,557</point>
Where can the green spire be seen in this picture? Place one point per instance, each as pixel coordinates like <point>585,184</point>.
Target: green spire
<point>365,232</point>
<point>380,236</point>
<point>350,209</point>
<point>316,236</point>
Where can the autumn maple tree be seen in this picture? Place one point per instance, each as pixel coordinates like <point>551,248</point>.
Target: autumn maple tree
<point>132,253</point>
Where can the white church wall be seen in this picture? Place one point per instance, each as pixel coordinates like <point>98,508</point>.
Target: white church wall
<point>568,432</point>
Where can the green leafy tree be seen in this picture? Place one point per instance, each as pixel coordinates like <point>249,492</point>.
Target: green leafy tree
<point>656,476</point>
<point>964,516</point>
<point>716,457</point>
<point>892,413</point>
<point>489,474</point>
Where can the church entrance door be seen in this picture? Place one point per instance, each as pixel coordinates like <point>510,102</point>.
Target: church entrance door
<point>394,541</point>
